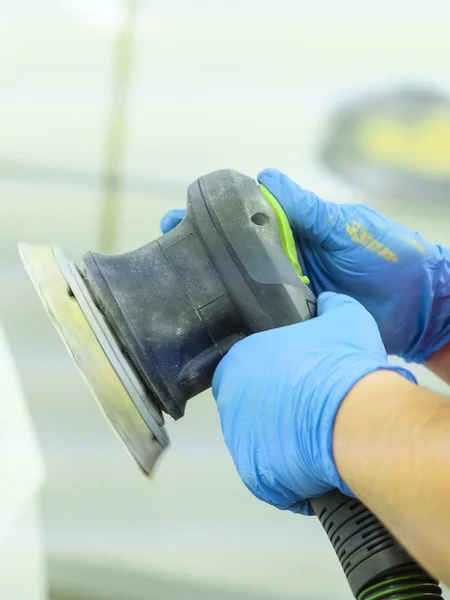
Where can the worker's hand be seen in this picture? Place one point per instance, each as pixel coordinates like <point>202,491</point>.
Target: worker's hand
<point>402,280</point>
<point>278,393</point>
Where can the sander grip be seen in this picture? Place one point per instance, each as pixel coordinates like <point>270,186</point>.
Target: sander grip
<point>368,553</point>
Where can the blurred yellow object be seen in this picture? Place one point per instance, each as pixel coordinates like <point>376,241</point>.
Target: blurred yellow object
<point>422,146</point>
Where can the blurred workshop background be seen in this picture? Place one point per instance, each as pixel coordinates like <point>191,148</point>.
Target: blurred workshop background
<point>108,110</point>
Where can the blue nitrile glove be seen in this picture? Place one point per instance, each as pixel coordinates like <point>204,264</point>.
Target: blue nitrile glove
<point>278,393</point>
<point>402,280</point>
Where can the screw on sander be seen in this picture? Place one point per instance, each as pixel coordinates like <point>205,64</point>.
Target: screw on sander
<point>149,327</point>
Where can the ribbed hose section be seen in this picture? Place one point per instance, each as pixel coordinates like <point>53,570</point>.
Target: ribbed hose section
<point>406,584</point>
<point>375,564</point>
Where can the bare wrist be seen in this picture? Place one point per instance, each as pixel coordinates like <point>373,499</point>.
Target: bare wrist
<point>373,405</point>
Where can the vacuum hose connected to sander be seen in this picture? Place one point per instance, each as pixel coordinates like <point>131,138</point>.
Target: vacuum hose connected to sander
<point>149,327</point>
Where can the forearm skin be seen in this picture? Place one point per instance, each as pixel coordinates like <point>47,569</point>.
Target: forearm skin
<point>392,448</point>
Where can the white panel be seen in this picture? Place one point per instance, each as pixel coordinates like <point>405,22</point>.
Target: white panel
<point>22,562</point>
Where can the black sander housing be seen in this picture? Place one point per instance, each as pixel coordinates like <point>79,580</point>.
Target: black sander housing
<point>178,304</point>
<point>148,328</point>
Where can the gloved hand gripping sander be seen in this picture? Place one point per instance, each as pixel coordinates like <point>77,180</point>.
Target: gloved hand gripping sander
<point>148,328</point>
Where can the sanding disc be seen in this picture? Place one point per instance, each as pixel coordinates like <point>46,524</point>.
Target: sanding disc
<point>127,405</point>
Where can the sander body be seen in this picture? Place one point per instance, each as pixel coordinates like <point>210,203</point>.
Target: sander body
<point>148,328</point>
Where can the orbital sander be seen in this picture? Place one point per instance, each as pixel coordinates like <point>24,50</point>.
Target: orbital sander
<point>148,328</point>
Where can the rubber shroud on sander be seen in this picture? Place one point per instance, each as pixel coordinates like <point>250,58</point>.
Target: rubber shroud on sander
<point>148,328</point>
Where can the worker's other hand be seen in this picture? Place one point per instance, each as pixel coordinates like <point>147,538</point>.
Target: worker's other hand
<point>278,393</point>
<point>402,280</point>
